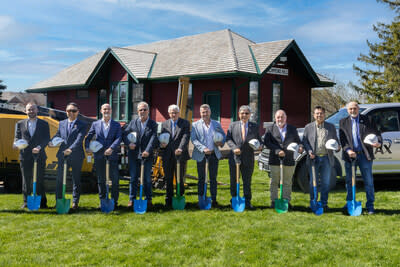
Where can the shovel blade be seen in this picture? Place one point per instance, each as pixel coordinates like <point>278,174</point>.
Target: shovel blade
<point>354,208</point>
<point>140,206</point>
<point>204,202</point>
<point>316,207</point>
<point>33,202</point>
<point>63,205</point>
<point>178,203</point>
<point>281,205</point>
<point>238,204</point>
<point>106,205</point>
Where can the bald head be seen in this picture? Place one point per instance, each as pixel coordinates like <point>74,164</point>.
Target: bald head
<point>280,118</point>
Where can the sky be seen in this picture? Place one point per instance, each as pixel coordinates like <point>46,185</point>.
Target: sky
<point>40,38</point>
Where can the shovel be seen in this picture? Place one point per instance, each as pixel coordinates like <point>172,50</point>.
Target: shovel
<point>238,203</point>
<point>316,207</point>
<point>178,202</point>
<point>33,201</point>
<point>354,207</point>
<point>140,206</point>
<point>107,204</point>
<point>281,204</point>
<point>62,204</point>
<point>204,201</point>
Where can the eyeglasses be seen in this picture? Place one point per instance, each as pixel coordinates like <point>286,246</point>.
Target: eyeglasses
<point>245,113</point>
<point>72,110</point>
<point>143,109</point>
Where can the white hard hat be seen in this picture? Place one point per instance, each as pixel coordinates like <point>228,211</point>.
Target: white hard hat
<point>132,137</point>
<point>332,144</point>
<point>371,139</point>
<point>218,137</point>
<point>164,138</point>
<point>57,141</point>
<point>255,144</point>
<point>293,147</point>
<point>95,146</point>
<point>21,144</point>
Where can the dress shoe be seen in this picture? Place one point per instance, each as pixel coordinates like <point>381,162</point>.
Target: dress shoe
<point>74,206</point>
<point>24,206</point>
<point>272,206</point>
<point>44,206</point>
<point>249,206</point>
<point>214,203</point>
<point>149,205</point>
<point>326,208</point>
<point>130,204</point>
<point>371,211</point>
<point>116,207</point>
<point>290,206</point>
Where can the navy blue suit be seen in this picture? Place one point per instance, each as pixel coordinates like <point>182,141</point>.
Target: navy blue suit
<point>72,140</point>
<point>113,141</point>
<point>146,141</point>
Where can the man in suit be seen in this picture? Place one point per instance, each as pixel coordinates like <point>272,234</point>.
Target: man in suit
<point>36,132</point>
<point>238,136</point>
<point>352,131</point>
<point>179,130</point>
<point>277,137</point>
<point>146,132</point>
<point>108,133</point>
<point>315,136</point>
<point>202,138</point>
<point>72,131</point>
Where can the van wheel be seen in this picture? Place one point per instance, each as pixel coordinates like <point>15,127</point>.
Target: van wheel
<point>303,178</point>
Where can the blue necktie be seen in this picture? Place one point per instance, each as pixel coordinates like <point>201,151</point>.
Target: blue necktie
<point>355,135</point>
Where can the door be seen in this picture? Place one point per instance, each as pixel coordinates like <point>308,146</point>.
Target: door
<point>213,98</point>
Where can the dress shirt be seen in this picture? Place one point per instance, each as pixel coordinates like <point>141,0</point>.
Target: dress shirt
<point>282,132</point>
<point>208,133</point>
<point>32,126</point>
<point>106,127</point>
<point>322,134</point>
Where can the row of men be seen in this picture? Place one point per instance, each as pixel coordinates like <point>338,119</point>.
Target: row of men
<point>277,138</point>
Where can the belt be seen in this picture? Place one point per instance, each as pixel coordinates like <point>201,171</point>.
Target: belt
<point>358,152</point>
<point>322,155</point>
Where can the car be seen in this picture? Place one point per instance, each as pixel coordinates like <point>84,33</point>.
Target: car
<point>387,157</point>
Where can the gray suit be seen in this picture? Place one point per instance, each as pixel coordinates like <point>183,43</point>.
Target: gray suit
<point>40,138</point>
<point>234,140</point>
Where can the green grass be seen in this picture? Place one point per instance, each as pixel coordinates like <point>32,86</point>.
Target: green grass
<point>219,237</point>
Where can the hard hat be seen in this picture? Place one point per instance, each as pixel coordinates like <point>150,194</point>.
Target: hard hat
<point>164,138</point>
<point>332,144</point>
<point>255,144</point>
<point>21,144</point>
<point>95,146</point>
<point>293,147</point>
<point>132,137</point>
<point>57,141</point>
<point>218,137</point>
<point>371,139</point>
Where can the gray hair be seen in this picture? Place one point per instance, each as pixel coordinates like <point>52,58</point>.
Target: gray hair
<point>280,110</point>
<point>173,107</point>
<point>205,106</point>
<point>245,107</point>
<point>347,105</point>
<point>142,104</point>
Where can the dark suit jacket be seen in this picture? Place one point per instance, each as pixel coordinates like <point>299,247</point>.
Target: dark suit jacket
<point>310,135</point>
<point>73,141</point>
<point>40,138</point>
<point>146,142</point>
<point>234,140</point>
<point>346,137</point>
<point>112,140</point>
<point>179,140</point>
<point>273,141</point>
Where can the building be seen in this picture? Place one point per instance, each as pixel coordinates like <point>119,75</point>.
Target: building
<point>226,70</point>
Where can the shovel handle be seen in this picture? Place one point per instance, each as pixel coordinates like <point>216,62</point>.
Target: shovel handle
<point>313,173</point>
<point>353,172</point>
<point>237,172</point>
<point>141,171</point>
<point>281,170</point>
<point>206,169</point>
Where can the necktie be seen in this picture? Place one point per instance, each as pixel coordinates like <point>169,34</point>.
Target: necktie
<point>173,127</point>
<point>243,132</point>
<point>69,127</point>
<point>354,132</point>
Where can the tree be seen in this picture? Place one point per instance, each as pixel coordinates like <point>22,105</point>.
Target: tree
<point>2,87</point>
<point>381,83</point>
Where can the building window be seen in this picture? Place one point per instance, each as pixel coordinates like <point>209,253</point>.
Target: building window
<point>213,98</point>
<point>82,93</point>
<point>276,97</point>
<point>253,103</point>
<point>137,97</point>
<point>118,99</point>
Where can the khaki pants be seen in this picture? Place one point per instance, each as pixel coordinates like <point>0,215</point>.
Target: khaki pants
<point>275,181</point>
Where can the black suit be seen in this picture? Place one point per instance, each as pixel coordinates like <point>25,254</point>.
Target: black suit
<point>180,140</point>
<point>234,141</point>
<point>40,138</point>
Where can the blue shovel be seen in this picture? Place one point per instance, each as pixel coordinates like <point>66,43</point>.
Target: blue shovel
<point>204,201</point>
<point>316,207</point>
<point>354,207</point>
<point>33,201</point>
<point>238,203</point>
<point>107,204</point>
<point>140,205</point>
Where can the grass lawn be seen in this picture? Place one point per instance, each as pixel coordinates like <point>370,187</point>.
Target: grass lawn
<point>219,237</point>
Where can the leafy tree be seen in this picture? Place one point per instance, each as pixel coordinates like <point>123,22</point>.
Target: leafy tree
<point>380,80</point>
<point>2,87</point>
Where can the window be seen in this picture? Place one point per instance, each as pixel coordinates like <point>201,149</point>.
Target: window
<point>253,103</point>
<point>118,101</point>
<point>82,93</point>
<point>386,120</point>
<point>137,97</point>
<point>213,98</point>
<point>276,97</point>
